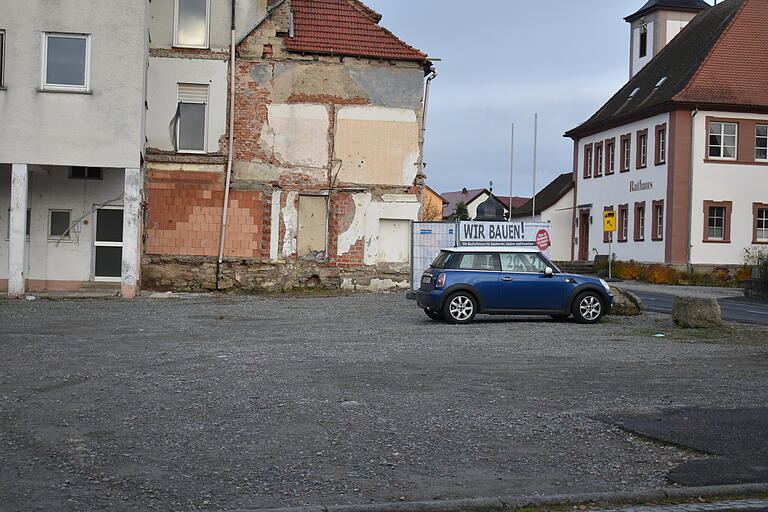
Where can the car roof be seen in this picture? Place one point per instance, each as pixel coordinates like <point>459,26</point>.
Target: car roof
<point>529,248</point>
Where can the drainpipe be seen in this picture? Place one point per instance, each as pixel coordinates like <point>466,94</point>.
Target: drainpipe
<point>231,145</point>
<point>690,188</point>
<point>432,75</point>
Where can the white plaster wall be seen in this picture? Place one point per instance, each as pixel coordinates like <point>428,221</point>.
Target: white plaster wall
<point>639,63</point>
<point>51,189</point>
<point>741,184</point>
<point>162,96</point>
<point>674,27</point>
<point>298,134</point>
<point>102,129</point>
<point>613,190</point>
<point>560,215</point>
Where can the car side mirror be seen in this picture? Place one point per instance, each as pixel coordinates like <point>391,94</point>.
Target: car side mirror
<point>548,272</point>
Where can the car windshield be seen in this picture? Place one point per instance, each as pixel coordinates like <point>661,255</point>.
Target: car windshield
<point>441,260</point>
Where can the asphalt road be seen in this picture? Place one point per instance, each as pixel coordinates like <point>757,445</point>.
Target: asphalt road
<point>733,309</point>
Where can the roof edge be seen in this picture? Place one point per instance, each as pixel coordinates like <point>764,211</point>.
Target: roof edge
<point>643,12</point>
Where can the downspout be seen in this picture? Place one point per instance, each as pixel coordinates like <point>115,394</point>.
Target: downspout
<point>690,188</point>
<point>432,75</point>
<point>231,144</point>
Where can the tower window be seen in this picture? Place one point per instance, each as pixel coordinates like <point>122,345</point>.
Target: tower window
<point>643,43</point>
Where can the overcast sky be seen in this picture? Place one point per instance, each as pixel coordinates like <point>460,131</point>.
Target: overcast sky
<point>503,60</point>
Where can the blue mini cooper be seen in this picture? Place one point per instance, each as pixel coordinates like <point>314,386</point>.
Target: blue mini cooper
<point>465,281</point>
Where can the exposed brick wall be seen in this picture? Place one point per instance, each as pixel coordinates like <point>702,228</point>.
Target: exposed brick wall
<point>184,216</point>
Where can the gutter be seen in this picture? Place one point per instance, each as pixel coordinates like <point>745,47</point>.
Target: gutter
<point>231,144</point>
<point>690,188</point>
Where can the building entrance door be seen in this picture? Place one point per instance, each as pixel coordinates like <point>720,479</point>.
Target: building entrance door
<point>584,235</point>
<point>108,244</point>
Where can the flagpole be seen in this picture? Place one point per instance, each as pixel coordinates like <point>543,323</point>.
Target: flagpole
<point>535,151</point>
<point>511,169</point>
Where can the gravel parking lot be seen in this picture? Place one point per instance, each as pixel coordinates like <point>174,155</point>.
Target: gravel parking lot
<point>247,402</point>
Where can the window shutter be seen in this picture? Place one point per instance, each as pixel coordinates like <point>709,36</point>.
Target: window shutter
<point>193,93</point>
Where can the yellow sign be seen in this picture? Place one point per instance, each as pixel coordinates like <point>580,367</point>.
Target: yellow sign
<point>609,221</point>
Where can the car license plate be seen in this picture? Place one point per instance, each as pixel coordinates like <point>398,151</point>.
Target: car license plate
<point>426,279</point>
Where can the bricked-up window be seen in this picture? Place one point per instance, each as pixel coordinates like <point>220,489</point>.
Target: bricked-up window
<point>717,221</point>
<point>626,150</point>
<point>607,234</point>
<point>598,159</point>
<point>722,140</point>
<point>642,148</point>
<point>623,226</point>
<point>640,221</point>
<point>760,215</point>
<point>58,224</point>
<point>610,156</point>
<point>761,141</point>
<point>2,59</point>
<point>661,144</point>
<point>191,24</point>
<point>588,161</point>
<point>190,119</point>
<point>66,62</point>
<point>658,221</point>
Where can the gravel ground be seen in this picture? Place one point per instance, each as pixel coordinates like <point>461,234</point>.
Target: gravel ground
<point>242,402</point>
<point>682,291</point>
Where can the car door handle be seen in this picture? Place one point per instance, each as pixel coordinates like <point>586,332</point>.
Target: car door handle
<point>507,278</point>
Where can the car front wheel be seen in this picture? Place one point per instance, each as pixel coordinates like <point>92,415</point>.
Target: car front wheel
<point>588,308</point>
<point>460,308</point>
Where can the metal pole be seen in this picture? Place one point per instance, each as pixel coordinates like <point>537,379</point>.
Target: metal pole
<point>610,255</point>
<point>535,150</point>
<point>511,169</point>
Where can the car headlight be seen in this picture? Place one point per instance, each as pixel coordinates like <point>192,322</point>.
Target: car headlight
<point>605,285</point>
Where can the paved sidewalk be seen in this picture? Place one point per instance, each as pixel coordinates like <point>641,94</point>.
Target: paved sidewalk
<point>682,291</point>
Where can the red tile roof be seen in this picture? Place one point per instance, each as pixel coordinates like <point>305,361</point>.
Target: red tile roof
<point>345,27</point>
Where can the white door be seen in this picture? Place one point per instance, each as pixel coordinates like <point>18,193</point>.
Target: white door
<point>108,244</point>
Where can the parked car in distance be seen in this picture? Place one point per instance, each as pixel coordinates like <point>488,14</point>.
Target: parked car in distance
<point>465,281</point>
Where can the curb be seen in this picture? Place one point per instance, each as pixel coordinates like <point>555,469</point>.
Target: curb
<point>534,501</point>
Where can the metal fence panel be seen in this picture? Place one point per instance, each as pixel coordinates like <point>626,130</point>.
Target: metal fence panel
<point>427,238</point>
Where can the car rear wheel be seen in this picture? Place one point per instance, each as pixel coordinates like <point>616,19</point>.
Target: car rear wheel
<point>588,308</point>
<point>434,315</point>
<point>460,308</point>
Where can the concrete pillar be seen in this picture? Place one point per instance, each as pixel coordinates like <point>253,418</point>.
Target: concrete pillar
<point>18,230</point>
<point>129,273</point>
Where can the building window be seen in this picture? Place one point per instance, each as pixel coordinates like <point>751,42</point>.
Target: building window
<point>717,221</point>
<point>58,224</point>
<point>598,159</point>
<point>761,141</point>
<point>640,221</point>
<point>191,30</point>
<point>8,226</point>
<point>626,150</point>
<point>661,144</point>
<point>588,161</point>
<point>190,118</point>
<point>642,149</point>
<point>658,220</point>
<point>66,62</point>
<point>86,173</point>
<point>623,222</point>
<point>643,43</point>
<point>2,59</point>
<point>610,156</point>
<point>760,215</point>
<point>722,140</point>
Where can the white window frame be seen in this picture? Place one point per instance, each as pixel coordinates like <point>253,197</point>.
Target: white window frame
<point>3,44</point>
<point>176,11</point>
<point>758,228</point>
<point>55,238</point>
<point>710,217</point>
<point>626,148</point>
<point>663,146</point>
<point>641,222</point>
<point>659,221</point>
<point>643,150</point>
<point>600,161</point>
<point>611,157</point>
<point>590,162</point>
<point>44,85</point>
<point>722,146</point>
<point>761,137</point>
<point>207,101</point>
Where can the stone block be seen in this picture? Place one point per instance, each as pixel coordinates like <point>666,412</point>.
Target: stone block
<point>625,303</point>
<point>696,313</point>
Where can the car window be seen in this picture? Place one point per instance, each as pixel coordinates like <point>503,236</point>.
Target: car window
<point>478,261</point>
<point>522,262</point>
<point>441,259</point>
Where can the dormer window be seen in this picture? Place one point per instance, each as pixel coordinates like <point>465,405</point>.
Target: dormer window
<point>191,24</point>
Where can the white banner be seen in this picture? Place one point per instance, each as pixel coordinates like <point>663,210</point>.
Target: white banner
<point>506,234</point>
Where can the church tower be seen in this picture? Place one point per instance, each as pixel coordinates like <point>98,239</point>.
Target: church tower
<point>655,25</point>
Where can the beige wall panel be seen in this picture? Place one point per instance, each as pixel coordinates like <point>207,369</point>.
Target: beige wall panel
<point>312,224</point>
<point>297,134</point>
<point>394,235</point>
<point>377,145</point>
